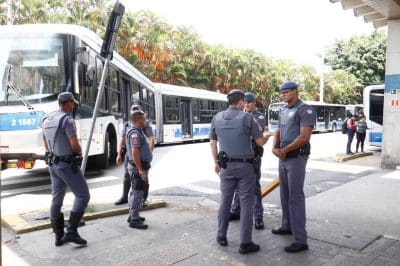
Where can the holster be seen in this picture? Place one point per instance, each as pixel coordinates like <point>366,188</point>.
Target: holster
<point>222,159</point>
<point>145,165</point>
<point>305,150</point>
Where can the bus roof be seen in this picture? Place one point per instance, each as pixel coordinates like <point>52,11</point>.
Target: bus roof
<point>86,35</point>
<point>370,88</point>
<point>168,89</point>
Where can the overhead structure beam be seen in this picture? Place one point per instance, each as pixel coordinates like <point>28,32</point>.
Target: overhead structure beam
<point>373,17</point>
<point>363,11</point>
<point>350,4</point>
<point>380,23</point>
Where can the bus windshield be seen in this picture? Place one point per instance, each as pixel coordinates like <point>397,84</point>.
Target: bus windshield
<point>273,114</point>
<point>34,66</point>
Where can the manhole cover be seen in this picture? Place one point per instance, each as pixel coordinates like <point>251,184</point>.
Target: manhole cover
<point>165,256</point>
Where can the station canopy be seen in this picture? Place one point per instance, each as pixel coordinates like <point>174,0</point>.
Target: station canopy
<point>376,11</point>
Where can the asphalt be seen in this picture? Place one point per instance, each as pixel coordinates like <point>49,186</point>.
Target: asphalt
<point>352,224</point>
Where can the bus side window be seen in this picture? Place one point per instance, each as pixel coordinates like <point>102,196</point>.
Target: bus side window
<point>113,92</point>
<point>171,109</point>
<point>99,71</point>
<point>135,94</point>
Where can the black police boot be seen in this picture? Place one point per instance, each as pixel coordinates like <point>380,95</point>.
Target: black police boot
<point>281,231</point>
<point>296,247</point>
<point>72,230</point>
<point>140,217</point>
<point>125,190</point>
<point>259,224</point>
<point>248,248</point>
<point>222,241</point>
<point>138,224</point>
<point>58,229</point>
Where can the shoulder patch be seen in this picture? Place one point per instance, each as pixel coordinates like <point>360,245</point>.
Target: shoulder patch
<point>261,117</point>
<point>309,111</point>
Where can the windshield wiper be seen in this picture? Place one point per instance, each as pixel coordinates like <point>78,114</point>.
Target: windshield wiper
<point>10,86</point>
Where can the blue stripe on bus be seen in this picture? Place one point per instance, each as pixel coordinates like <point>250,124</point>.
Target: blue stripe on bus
<point>392,82</point>
<point>20,121</point>
<point>201,131</point>
<point>375,137</point>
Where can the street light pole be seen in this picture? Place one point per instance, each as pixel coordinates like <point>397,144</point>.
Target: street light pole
<point>321,78</point>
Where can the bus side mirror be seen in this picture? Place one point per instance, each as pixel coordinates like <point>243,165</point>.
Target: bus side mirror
<point>112,30</point>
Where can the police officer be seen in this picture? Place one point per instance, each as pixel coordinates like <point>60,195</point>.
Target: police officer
<point>231,133</point>
<point>258,210</point>
<point>63,157</point>
<point>292,147</point>
<point>140,157</point>
<point>148,131</point>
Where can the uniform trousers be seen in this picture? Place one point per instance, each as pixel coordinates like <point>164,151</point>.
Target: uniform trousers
<point>127,180</point>
<point>240,176</point>
<point>136,196</point>
<point>62,175</point>
<point>291,175</point>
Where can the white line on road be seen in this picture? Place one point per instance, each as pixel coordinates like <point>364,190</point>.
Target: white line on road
<point>266,179</point>
<point>392,175</point>
<point>201,189</point>
<point>47,187</point>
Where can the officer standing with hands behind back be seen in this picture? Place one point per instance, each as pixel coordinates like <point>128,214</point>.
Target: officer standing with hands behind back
<point>292,147</point>
<point>63,158</point>
<point>258,210</point>
<point>231,134</point>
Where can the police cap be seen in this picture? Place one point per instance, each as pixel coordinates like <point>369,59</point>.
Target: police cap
<point>136,113</point>
<point>135,107</point>
<point>288,85</point>
<point>249,97</point>
<point>235,91</point>
<point>64,97</point>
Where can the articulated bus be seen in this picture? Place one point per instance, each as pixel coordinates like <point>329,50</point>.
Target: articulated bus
<point>38,62</point>
<point>329,117</point>
<point>373,109</point>
<point>185,114</point>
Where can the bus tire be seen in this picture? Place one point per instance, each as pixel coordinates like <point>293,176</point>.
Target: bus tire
<point>106,159</point>
<point>334,127</point>
<point>3,165</point>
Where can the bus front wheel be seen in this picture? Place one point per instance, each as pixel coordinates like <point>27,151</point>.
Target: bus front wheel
<point>104,160</point>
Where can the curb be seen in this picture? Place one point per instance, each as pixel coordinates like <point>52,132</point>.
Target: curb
<point>343,158</point>
<point>20,226</point>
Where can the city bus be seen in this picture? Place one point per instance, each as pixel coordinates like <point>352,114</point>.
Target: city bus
<point>37,63</point>
<point>185,114</point>
<point>373,109</point>
<point>329,117</point>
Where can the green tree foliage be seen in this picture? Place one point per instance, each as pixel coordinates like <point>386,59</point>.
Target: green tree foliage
<point>177,55</point>
<point>363,56</point>
<point>342,87</point>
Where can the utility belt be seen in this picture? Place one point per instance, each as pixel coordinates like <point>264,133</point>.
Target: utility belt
<point>223,159</point>
<point>304,150</point>
<point>145,165</point>
<point>74,160</point>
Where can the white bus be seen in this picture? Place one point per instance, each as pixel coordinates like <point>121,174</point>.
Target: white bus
<point>185,114</point>
<point>38,62</point>
<point>373,109</point>
<point>354,109</point>
<point>329,117</point>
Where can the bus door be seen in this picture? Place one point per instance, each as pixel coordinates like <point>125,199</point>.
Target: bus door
<point>186,114</point>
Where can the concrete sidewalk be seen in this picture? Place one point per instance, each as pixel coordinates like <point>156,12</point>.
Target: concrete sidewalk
<point>354,224</point>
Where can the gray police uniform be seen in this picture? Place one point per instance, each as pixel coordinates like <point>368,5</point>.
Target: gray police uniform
<point>148,132</point>
<point>135,138</point>
<point>233,130</point>
<point>58,127</point>
<point>258,209</point>
<point>292,169</point>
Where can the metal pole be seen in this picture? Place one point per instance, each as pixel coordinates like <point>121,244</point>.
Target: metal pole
<point>96,108</point>
<point>321,79</point>
<point>9,12</point>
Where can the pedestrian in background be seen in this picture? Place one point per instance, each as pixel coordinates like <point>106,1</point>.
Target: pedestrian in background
<point>351,131</point>
<point>63,157</point>
<point>230,140</point>
<point>126,185</point>
<point>258,210</point>
<point>361,132</point>
<point>292,147</point>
